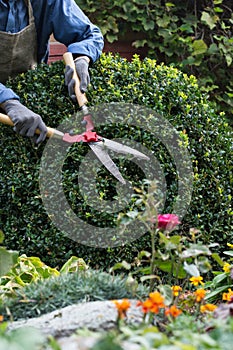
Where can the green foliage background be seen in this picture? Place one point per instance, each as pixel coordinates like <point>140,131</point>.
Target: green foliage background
<point>193,35</point>
<point>167,91</point>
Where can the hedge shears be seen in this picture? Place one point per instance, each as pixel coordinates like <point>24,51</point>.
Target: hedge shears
<point>97,143</point>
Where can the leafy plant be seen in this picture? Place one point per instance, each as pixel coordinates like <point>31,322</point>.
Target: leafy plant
<point>176,255</point>
<point>28,270</point>
<point>26,338</point>
<point>164,90</point>
<point>7,257</point>
<point>193,35</point>
<point>49,294</point>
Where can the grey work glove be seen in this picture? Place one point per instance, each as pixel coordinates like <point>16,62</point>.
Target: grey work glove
<point>81,65</point>
<point>25,121</point>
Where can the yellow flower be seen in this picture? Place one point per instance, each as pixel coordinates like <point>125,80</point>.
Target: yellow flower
<point>230,245</point>
<point>226,267</point>
<point>208,308</point>
<point>200,294</point>
<point>176,290</point>
<point>228,296</point>
<point>196,280</point>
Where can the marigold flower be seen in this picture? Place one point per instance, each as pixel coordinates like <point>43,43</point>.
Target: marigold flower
<point>228,296</point>
<point>196,280</point>
<point>153,304</point>
<point>226,267</point>
<point>157,298</point>
<point>1,318</point>
<point>208,308</point>
<point>200,294</point>
<point>122,307</point>
<point>176,290</point>
<point>173,311</point>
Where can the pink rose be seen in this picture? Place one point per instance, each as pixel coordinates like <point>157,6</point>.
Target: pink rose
<point>167,221</point>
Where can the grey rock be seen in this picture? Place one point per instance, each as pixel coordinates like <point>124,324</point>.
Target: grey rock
<point>95,316</point>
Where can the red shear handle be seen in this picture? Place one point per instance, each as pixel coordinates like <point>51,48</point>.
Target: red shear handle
<point>68,58</point>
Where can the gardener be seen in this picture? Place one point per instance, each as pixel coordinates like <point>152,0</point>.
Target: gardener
<point>25,29</point>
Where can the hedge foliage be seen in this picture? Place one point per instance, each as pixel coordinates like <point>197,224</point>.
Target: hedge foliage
<point>165,90</point>
<point>193,35</point>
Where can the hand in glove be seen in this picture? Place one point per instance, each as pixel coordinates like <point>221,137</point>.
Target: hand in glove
<point>81,65</point>
<point>25,121</point>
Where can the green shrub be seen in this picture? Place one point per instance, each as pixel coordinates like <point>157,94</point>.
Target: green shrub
<point>194,35</point>
<point>163,89</point>
<point>57,292</point>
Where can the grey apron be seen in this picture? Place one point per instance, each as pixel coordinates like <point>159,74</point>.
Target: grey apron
<point>18,50</point>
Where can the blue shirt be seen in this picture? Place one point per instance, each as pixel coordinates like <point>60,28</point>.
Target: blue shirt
<point>62,18</point>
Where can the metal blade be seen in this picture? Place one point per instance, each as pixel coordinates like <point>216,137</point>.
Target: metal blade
<point>118,147</point>
<point>105,159</point>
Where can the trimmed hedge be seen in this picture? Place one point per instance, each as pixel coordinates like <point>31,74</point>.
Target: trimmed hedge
<point>163,89</point>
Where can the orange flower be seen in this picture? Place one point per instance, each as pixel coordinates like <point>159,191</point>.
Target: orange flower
<point>153,303</point>
<point>208,308</point>
<point>228,296</point>
<point>173,311</point>
<point>1,318</point>
<point>122,307</point>
<point>157,299</point>
<point>196,280</point>
<point>200,294</point>
<point>176,290</point>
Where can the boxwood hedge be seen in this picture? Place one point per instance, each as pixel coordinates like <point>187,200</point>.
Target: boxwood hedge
<point>166,90</point>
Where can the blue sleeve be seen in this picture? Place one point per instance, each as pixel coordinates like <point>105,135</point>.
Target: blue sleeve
<point>74,29</point>
<point>7,94</point>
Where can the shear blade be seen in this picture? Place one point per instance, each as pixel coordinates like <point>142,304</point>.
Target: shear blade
<point>105,159</point>
<point>118,147</point>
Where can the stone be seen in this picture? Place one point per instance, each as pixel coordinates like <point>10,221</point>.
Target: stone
<point>97,316</point>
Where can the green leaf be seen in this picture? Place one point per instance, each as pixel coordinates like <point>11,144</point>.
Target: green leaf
<point>166,291</point>
<point>149,25</point>
<point>218,279</point>
<point>228,252</point>
<point>121,265</point>
<point>213,49</point>
<point>228,58</point>
<point>149,277</point>
<point>209,20</point>
<point>143,253</point>
<point>7,259</point>
<point>217,258</point>
<point>74,264</point>
<point>199,47</point>
<point>216,292</point>
<point>1,237</point>
<point>191,269</point>
<point>195,250</point>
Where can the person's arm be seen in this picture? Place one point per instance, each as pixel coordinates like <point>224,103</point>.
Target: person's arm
<point>7,94</point>
<point>82,38</point>
<point>73,28</point>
